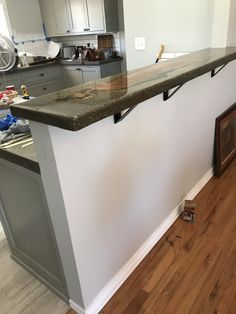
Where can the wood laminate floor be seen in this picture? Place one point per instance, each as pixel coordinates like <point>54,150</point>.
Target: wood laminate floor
<point>192,269</point>
<point>20,292</point>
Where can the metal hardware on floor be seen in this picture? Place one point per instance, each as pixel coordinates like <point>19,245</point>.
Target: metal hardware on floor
<point>118,117</point>
<point>167,95</point>
<point>188,213</point>
<point>214,72</point>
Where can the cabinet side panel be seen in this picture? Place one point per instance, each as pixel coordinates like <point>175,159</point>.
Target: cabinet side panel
<point>111,15</point>
<point>27,222</point>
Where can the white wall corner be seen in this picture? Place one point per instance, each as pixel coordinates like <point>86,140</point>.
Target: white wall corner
<point>115,283</point>
<point>220,25</point>
<point>76,307</point>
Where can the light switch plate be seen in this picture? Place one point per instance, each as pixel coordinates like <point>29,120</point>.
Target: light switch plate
<point>140,43</point>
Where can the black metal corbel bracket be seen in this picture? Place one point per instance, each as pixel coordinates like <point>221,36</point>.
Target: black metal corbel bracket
<point>118,117</point>
<point>214,72</point>
<point>167,95</point>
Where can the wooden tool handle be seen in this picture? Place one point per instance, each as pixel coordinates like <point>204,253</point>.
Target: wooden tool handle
<point>162,48</point>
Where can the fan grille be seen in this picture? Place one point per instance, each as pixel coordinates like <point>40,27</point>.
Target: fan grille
<point>7,54</point>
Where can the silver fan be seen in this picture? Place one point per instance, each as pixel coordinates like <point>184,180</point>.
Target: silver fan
<point>8,54</point>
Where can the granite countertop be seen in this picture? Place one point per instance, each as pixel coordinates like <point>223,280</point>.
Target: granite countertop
<point>90,63</point>
<point>24,157</point>
<point>36,66</point>
<point>64,62</point>
<point>80,106</point>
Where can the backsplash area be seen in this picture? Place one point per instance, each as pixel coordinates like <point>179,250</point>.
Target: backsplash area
<point>85,39</point>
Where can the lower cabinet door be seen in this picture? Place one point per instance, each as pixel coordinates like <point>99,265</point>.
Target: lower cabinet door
<point>90,74</point>
<point>72,76</point>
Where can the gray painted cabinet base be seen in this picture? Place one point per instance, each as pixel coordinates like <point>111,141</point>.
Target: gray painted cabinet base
<point>27,224</point>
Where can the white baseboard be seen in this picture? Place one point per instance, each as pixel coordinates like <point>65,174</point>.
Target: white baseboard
<point>114,284</point>
<point>200,185</point>
<point>77,308</point>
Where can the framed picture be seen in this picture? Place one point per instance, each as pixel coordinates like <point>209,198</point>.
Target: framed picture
<point>225,139</point>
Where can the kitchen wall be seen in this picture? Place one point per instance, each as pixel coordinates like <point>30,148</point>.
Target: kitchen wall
<point>220,22</point>
<point>231,40</point>
<point>122,35</point>
<point>121,184</point>
<point>182,26</point>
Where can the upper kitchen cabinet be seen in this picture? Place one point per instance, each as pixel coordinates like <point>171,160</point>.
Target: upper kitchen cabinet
<point>72,17</point>
<point>56,17</point>
<point>25,20</point>
<point>79,16</point>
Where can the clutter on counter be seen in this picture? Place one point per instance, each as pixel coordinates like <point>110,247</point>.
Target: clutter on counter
<point>12,128</point>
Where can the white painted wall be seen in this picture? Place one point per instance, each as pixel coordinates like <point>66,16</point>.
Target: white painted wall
<point>122,35</point>
<point>120,182</point>
<point>231,40</point>
<point>221,23</point>
<point>182,26</point>
<point>57,210</point>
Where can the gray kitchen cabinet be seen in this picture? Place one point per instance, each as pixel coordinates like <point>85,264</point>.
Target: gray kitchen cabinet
<point>72,76</point>
<point>91,73</point>
<point>56,17</point>
<point>76,75</point>
<point>38,81</point>
<point>35,76</point>
<point>45,88</point>
<point>75,17</point>
<point>96,17</point>
<point>79,16</point>
<point>43,81</point>
<point>87,16</point>
<point>27,224</point>
<point>110,69</point>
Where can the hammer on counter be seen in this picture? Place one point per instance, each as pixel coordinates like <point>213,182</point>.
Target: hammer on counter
<point>162,48</point>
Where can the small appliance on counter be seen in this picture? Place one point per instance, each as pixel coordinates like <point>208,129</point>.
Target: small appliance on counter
<point>68,52</point>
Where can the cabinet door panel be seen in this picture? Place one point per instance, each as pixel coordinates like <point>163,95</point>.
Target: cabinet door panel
<point>79,15</point>
<point>90,74</point>
<point>26,220</point>
<point>63,22</point>
<point>49,18</point>
<point>95,15</point>
<point>72,76</point>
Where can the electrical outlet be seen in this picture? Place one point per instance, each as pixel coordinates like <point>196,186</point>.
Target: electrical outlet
<point>140,43</point>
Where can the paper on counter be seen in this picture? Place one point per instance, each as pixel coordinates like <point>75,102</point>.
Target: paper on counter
<point>42,48</point>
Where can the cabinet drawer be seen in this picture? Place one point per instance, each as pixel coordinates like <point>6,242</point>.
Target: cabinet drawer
<point>41,75</point>
<point>45,88</point>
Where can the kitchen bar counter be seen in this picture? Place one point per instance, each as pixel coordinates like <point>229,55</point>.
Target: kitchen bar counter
<point>80,106</point>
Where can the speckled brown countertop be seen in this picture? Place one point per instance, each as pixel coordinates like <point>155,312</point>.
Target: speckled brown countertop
<point>80,106</point>
<point>24,157</point>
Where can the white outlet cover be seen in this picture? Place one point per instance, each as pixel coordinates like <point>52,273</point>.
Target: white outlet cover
<point>140,43</point>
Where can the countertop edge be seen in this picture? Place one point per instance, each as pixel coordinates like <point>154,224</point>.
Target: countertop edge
<point>20,161</point>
